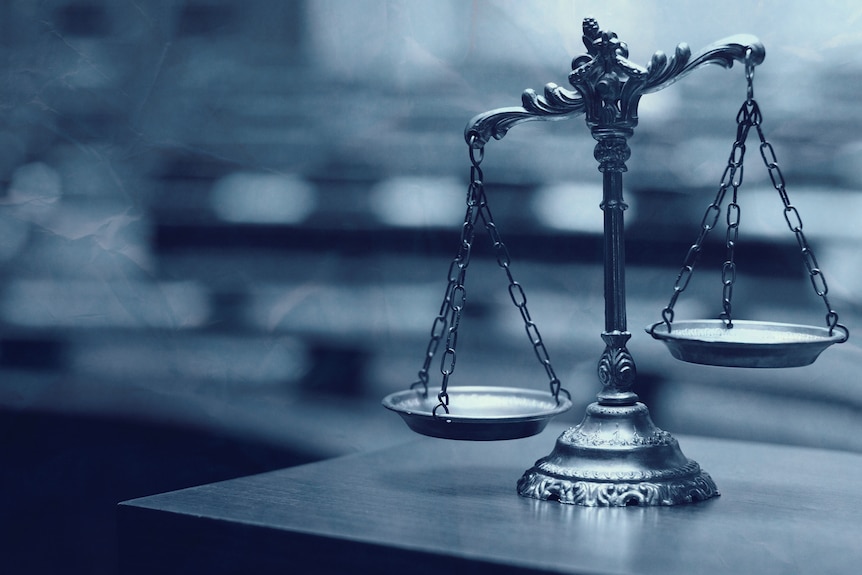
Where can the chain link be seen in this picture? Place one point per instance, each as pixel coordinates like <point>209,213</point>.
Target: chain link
<point>455,296</point>
<point>735,170</point>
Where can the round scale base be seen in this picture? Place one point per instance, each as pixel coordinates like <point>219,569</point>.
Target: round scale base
<point>617,457</point>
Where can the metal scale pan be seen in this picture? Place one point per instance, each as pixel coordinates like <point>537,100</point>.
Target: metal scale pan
<point>479,413</point>
<point>734,343</point>
<point>747,343</point>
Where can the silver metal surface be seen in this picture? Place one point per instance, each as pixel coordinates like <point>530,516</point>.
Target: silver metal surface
<point>478,413</point>
<point>746,344</point>
<point>616,456</point>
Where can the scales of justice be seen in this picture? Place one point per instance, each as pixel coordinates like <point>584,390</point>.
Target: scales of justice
<point>616,456</point>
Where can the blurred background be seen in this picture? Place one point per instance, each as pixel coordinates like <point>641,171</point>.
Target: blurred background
<point>225,230</point>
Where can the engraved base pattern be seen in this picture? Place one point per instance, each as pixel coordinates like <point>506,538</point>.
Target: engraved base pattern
<point>604,494</point>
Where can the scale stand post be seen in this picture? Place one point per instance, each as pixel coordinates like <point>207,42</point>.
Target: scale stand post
<point>616,456</point>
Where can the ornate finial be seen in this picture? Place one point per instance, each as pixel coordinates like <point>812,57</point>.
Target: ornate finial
<point>608,83</point>
<point>598,42</point>
<point>591,32</point>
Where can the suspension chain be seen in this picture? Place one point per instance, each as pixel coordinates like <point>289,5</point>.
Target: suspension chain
<point>449,317</point>
<point>733,174</point>
<point>731,179</point>
<point>791,214</point>
<point>749,116</point>
<point>516,290</point>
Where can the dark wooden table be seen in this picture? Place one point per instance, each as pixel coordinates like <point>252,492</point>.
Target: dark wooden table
<point>436,506</point>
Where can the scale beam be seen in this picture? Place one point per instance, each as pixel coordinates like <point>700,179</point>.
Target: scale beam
<point>616,456</point>
<point>559,103</point>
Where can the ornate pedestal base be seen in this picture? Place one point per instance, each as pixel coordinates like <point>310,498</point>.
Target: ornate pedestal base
<point>616,457</point>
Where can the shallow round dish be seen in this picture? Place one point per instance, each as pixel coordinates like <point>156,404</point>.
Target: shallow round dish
<point>747,343</point>
<point>478,413</point>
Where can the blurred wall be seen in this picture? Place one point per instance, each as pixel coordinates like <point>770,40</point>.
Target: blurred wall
<point>254,192</point>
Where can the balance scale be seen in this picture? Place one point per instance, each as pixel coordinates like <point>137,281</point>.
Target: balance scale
<point>616,456</point>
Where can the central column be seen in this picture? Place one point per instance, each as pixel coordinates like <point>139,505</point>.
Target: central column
<point>616,456</point>
<point>616,366</point>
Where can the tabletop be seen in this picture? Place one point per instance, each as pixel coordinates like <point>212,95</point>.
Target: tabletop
<point>433,505</point>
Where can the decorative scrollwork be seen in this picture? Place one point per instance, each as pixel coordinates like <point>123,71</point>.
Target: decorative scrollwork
<point>607,85</point>
<point>557,103</point>
<point>662,72</point>
<point>577,436</point>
